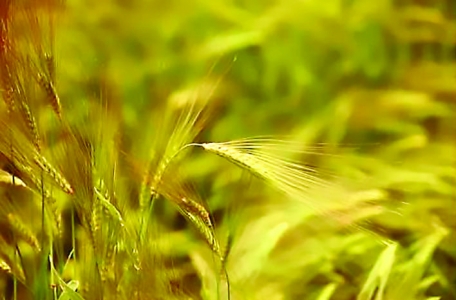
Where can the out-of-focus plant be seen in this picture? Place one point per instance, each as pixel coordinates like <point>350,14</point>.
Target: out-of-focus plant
<point>105,192</point>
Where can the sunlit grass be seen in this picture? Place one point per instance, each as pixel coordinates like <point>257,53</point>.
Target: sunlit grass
<point>110,126</point>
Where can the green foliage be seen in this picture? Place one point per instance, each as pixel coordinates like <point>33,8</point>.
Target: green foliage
<point>333,123</point>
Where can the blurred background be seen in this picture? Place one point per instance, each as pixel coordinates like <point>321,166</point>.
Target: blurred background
<point>375,80</point>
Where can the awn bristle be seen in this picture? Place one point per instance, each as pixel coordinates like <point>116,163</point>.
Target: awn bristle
<point>257,156</point>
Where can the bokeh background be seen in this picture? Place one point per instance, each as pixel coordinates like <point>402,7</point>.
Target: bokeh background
<point>375,81</point>
<point>339,71</point>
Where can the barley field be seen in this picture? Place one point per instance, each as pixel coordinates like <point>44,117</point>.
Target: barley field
<point>258,150</point>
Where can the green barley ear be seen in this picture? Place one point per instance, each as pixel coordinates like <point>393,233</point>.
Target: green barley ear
<point>266,159</point>
<point>109,208</point>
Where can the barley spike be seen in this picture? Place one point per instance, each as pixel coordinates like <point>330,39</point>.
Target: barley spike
<point>51,93</point>
<point>51,171</point>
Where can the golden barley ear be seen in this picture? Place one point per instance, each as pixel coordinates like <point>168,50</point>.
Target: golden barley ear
<point>45,79</point>
<point>17,95</point>
<point>34,184</point>
<point>19,151</point>
<point>14,79</point>
<point>189,205</point>
<point>23,232</point>
<point>6,67</point>
<point>50,91</point>
<point>53,173</point>
<point>30,121</point>
<point>199,216</point>
<point>9,262</point>
<point>7,86</point>
<point>79,172</point>
<point>36,18</point>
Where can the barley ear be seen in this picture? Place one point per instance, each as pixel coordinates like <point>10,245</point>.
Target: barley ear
<point>294,180</point>
<point>8,90</point>
<point>111,210</point>
<point>23,232</point>
<point>53,173</point>
<point>8,261</point>
<point>31,124</point>
<point>199,216</point>
<point>51,93</point>
<point>189,206</point>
